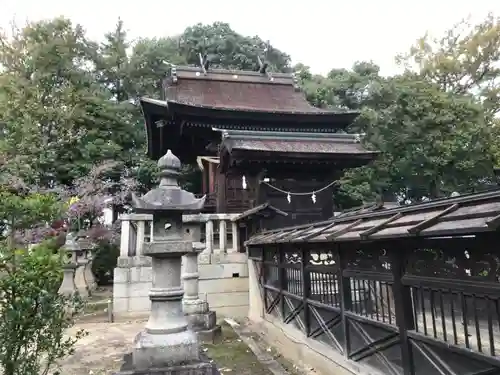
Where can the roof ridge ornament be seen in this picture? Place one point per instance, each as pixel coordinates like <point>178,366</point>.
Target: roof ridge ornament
<point>296,85</point>
<point>173,73</point>
<point>263,65</point>
<point>204,62</point>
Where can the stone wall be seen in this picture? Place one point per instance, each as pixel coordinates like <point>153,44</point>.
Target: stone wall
<point>223,283</point>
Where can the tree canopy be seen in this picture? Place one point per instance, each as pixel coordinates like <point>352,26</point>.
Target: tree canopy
<point>68,104</point>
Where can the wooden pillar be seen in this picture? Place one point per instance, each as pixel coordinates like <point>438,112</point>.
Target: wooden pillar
<point>221,191</point>
<point>344,284</point>
<point>404,310</point>
<point>204,177</point>
<point>253,182</point>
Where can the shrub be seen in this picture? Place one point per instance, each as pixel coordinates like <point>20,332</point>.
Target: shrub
<point>34,315</point>
<point>104,263</point>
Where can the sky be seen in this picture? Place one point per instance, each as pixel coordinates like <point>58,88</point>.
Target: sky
<point>322,34</point>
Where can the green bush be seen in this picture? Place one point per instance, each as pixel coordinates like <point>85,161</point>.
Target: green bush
<point>105,258</point>
<point>34,315</point>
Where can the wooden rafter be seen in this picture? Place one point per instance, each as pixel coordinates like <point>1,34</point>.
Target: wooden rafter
<point>344,230</point>
<point>263,237</point>
<point>432,220</point>
<point>285,234</point>
<point>317,233</point>
<point>365,234</point>
<point>298,233</point>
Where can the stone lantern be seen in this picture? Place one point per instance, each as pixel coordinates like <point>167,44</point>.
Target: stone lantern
<point>68,287</point>
<point>86,262</point>
<point>166,344</point>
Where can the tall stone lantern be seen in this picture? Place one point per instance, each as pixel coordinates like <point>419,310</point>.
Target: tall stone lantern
<point>166,343</point>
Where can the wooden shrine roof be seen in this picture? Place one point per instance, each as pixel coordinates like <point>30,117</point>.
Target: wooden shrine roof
<point>259,211</point>
<point>194,102</point>
<point>239,91</point>
<point>468,214</point>
<point>298,143</point>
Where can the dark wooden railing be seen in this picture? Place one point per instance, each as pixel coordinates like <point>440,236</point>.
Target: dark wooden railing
<point>400,304</point>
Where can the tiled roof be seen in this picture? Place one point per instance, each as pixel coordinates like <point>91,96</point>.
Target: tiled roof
<point>344,144</point>
<point>463,215</point>
<point>237,90</point>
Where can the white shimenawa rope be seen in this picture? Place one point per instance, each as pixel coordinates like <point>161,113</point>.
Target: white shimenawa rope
<point>311,193</point>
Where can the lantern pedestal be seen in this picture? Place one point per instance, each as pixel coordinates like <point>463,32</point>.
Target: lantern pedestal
<point>68,287</point>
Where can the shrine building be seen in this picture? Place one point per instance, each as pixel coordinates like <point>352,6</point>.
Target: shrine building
<point>256,140</point>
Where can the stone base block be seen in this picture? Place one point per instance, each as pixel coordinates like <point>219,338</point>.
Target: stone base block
<point>164,350</point>
<point>202,322</point>
<point>192,307</point>
<point>211,336</point>
<point>203,367</point>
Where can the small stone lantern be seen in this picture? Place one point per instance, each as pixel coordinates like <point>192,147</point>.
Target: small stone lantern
<point>166,343</point>
<point>201,319</point>
<point>86,262</point>
<point>68,287</point>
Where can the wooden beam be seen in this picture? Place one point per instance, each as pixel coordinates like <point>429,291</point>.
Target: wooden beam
<point>365,234</point>
<point>344,230</point>
<point>432,220</point>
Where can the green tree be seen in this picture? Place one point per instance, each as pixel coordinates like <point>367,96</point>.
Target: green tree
<point>466,59</point>
<point>150,61</point>
<point>35,315</point>
<point>113,62</point>
<point>57,120</point>
<point>33,333</point>
<point>228,49</point>
<point>463,60</point>
<point>431,142</point>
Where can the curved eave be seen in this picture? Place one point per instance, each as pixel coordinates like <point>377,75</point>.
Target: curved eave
<point>339,120</point>
<point>280,159</point>
<point>277,156</point>
<point>152,110</point>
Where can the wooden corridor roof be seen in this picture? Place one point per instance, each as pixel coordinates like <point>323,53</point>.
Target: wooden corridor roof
<point>467,214</point>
